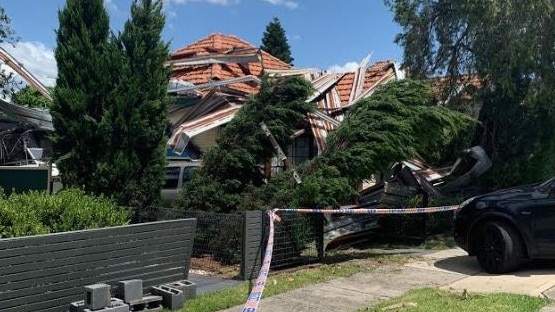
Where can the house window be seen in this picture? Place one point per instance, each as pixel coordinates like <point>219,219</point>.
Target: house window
<point>297,153</point>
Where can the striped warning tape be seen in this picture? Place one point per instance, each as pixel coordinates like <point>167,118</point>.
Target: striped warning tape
<point>372,210</point>
<point>256,293</point>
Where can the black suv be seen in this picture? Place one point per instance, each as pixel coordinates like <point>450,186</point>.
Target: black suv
<point>507,226</point>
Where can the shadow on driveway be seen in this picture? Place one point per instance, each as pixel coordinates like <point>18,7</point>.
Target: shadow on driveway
<point>469,266</point>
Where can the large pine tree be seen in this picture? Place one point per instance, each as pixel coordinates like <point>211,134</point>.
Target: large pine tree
<point>275,42</point>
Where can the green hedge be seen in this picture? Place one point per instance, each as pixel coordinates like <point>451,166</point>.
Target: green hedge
<point>36,212</point>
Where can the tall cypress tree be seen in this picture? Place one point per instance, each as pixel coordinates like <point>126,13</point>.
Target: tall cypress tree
<point>275,42</point>
<point>110,101</point>
<point>81,90</point>
<point>139,112</point>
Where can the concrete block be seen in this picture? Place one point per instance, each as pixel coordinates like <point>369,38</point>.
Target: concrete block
<point>77,306</point>
<point>147,303</point>
<point>116,305</point>
<point>121,308</point>
<point>188,288</point>
<point>172,298</point>
<point>130,290</point>
<point>97,296</point>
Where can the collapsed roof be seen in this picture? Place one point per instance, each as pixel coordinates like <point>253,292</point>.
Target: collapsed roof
<point>213,77</point>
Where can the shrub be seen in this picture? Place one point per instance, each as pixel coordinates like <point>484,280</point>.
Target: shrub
<point>36,212</point>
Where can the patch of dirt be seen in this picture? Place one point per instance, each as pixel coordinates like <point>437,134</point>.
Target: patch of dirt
<point>207,265</point>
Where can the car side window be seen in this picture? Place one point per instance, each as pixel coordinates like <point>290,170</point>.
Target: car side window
<point>188,174</point>
<point>552,192</point>
<point>172,177</point>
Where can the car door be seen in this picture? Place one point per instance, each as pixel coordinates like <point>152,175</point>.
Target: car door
<point>171,185</point>
<point>543,212</point>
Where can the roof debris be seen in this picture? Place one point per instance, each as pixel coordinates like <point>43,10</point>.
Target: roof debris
<point>225,70</point>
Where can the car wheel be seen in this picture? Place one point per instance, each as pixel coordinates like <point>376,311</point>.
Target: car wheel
<point>499,248</point>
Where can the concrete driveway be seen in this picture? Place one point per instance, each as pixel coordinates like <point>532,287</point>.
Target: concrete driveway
<point>534,278</point>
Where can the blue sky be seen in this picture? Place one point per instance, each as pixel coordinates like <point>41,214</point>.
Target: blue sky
<point>322,33</point>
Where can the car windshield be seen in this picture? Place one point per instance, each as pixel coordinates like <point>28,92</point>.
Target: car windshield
<point>545,186</point>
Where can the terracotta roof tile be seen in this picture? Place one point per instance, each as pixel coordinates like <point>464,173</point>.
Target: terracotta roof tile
<point>344,86</point>
<point>464,84</point>
<point>228,45</point>
<point>214,43</point>
<point>376,72</point>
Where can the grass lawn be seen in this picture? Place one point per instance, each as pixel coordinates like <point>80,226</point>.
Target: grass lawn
<point>335,266</point>
<point>435,300</point>
<point>345,263</point>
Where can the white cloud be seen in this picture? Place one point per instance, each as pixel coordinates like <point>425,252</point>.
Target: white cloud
<point>171,14</point>
<point>286,3</point>
<point>347,67</point>
<point>37,59</point>
<point>220,2</point>
<point>110,5</point>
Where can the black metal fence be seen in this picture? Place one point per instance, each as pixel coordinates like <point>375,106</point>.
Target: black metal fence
<point>233,244</point>
<point>217,245</point>
<point>298,239</point>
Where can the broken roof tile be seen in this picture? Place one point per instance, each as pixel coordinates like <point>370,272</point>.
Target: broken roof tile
<point>222,47</point>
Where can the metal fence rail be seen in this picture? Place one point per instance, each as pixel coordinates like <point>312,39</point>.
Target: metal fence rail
<point>217,245</point>
<point>298,239</point>
<point>233,244</point>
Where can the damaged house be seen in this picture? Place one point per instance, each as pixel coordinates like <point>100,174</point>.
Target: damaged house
<point>23,130</point>
<point>213,77</point>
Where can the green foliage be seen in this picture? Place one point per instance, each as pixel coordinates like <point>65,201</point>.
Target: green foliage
<point>136,119</point>
<point>110,107</point>
<point>69,210</point>
<point>30,97</point>
<point>509,46</point>
<point>324,186</point>
<point>80,97</point>
<point>275,42</point>
<point>396,123</point>
<point>232,169</point>
<point>7,34</point>
<point>9,81</point>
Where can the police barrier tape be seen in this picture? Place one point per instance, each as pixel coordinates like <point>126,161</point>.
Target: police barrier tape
<point>256,293</point>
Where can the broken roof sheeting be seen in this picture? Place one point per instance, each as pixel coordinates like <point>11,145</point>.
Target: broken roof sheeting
<point>345,92</point>
<point>205,123</point>
<point>211,102</point>
<point>228,64</point>
<point>218,83</point>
